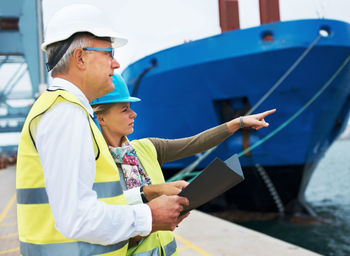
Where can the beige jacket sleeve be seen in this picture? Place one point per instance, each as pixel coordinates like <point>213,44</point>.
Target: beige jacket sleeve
<point>174,149</point>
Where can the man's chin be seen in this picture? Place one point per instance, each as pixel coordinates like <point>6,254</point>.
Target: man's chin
<point>110,87</point>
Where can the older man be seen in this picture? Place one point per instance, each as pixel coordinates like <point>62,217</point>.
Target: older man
<point>69,197</point>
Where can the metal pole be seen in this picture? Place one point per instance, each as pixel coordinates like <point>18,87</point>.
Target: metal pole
<point>269,11</point>
<point>229,15</point>
<point>40,40</point>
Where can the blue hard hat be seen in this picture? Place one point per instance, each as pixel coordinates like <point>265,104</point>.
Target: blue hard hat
<point>119,94</point>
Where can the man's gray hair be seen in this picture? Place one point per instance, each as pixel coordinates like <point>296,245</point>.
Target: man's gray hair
<point>80,40</point>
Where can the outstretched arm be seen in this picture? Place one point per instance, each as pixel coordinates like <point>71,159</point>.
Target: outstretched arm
<point>171,150</point>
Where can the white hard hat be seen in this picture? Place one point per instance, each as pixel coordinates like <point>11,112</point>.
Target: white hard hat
<point>80,18</point>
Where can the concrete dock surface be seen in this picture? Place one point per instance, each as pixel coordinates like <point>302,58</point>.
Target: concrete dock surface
<point>203,234</point>
<point>9,244</point>
<point>199,234</point>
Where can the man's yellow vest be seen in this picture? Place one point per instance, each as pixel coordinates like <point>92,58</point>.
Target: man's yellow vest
<point>161,242</point>
<point>36,226</point>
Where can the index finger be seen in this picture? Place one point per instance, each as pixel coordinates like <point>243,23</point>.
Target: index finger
<point>269,112</point>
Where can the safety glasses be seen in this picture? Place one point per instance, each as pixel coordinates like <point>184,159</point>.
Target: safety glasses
<point>109,50</point>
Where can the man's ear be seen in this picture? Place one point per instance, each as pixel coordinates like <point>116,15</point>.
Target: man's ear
<point>78,56</point>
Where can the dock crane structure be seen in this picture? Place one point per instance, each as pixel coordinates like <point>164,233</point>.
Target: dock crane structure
<point>21,33</point>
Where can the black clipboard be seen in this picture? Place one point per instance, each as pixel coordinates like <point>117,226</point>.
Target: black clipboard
<point>214,180</point>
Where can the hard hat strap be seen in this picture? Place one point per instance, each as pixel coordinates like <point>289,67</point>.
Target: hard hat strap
<point>60,51</point>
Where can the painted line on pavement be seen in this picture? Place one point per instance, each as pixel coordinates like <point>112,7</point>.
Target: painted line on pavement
<point>193,246</point>
<point>7,208</point>
<point>9,235</point>
<point>8,224</point>
<point>2,217</point>
<point>182,248</point>
<point>10,250</point>
<point>11,215</point>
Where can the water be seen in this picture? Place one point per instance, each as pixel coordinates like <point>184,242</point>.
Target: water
<point>329,195</point>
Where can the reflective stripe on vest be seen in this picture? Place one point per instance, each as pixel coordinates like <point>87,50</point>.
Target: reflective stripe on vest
<point>154,252</point>
<point>169,249</point>
<point>73,248</point>
<point>39,195</point>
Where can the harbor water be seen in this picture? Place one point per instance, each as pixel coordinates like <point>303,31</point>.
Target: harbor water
<point>329,195</point>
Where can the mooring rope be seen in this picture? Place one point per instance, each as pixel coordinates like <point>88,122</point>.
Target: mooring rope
<point>301,110</point>
<point>284,76</point>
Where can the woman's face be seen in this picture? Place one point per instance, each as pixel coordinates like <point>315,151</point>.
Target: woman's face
<point>119,119</point>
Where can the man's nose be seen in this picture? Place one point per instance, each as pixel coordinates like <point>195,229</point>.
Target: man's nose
<point>115,64</point>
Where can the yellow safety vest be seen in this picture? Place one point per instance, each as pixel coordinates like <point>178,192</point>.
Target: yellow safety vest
<point>36,225</point>
<point>161,242</point>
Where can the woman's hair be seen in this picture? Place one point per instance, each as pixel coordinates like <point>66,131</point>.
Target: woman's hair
<point>102,108</point>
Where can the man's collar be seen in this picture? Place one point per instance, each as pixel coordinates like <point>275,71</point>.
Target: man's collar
<point>60,83</point>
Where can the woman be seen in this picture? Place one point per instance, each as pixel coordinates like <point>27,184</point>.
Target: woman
<point>139,162</point>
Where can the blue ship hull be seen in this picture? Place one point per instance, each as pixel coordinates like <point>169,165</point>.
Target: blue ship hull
<point>204,83</point>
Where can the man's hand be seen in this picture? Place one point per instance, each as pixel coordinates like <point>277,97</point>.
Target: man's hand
<point>166,210</point>
<point>169,189</point>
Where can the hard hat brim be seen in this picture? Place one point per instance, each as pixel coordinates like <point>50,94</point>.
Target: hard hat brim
<point>129,99</point>
<point>117,39</point>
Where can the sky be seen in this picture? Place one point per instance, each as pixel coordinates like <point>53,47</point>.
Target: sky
<point>152,25</point>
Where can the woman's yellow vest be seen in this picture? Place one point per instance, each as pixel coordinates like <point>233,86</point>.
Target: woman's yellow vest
<point>161,242</point>
<point>36,226</point>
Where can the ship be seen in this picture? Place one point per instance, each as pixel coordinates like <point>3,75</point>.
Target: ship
<point>299,67</point>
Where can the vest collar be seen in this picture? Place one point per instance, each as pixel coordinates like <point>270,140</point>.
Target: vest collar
<point>59,83</point>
